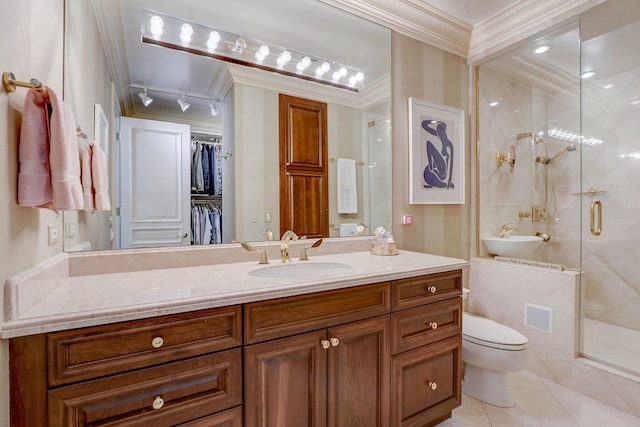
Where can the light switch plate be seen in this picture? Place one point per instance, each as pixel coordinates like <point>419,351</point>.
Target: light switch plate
<point>53,233</point>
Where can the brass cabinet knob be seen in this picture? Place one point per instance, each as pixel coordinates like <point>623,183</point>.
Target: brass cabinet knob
<point>185,235</point>
<point>433,325</point>
<point>432,289</point>
<point>157,342</point>
<point>432,385</point>
<point>335,341</point>
<point>325,344</point>
<point>158,402</point>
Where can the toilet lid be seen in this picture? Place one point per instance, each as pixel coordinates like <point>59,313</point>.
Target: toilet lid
<point>492,334</point>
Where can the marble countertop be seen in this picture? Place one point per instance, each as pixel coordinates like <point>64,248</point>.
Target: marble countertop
<point>61,301</point>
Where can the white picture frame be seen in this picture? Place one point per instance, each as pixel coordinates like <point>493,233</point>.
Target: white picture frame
<point>436,153</point>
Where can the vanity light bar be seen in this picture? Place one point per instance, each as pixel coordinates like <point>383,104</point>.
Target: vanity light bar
<point>174,33</point>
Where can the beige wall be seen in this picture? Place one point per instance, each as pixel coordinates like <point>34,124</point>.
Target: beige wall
<point>426,72</point>
<point>32,34</point>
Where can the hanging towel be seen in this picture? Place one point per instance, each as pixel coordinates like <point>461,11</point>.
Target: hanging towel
<point>100,176</point>
<point>63,156</point>
<point>348,229</point>
<point>85,175</point>
<point>347,193</point>
<point>34,179</point>
<point>49,159</point>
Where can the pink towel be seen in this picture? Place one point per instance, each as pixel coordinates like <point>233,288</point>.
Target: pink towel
<point>85,175</point>
<point>49,160</point>
<point>63,156</point>
<point>34,179</point>
<point>100,175</point>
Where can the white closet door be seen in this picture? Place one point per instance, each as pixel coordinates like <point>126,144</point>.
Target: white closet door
<point>155,183</point>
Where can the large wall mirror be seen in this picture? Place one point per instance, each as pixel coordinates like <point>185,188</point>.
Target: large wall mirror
<point>108,67</point>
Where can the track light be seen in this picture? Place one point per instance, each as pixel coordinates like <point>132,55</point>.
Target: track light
<point>182,102</point>
<point>146,99</point>
<point>214,109</point>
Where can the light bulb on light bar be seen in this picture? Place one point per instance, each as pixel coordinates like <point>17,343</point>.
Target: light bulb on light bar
<point>179,34</point>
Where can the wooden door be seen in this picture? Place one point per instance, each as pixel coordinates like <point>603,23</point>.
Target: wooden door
<point>359,374</point>
<point>304,199</point>
<point>285,382</point>
<point>155,183</point>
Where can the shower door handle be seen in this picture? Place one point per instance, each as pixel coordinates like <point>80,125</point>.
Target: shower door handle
<point>595,217</point>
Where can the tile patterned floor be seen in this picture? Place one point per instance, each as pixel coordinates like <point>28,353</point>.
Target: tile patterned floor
<point>540,403</point>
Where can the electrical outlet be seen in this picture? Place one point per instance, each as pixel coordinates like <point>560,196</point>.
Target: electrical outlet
<point>54,234</point>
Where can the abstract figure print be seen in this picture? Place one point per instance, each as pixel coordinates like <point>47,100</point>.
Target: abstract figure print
<point>438,172</point>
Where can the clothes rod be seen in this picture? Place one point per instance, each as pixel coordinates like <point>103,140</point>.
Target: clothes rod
<point>9,82</point>
<point>358,162</point>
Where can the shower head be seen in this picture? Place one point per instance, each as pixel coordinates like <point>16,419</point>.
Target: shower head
<point>547,160</point>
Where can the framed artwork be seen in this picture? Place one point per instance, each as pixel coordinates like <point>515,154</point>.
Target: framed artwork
<point>101,130</point>
<point>436,153</point>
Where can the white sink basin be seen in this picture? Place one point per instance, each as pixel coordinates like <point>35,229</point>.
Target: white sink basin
<point>303,268</point>
<point>512,246</point>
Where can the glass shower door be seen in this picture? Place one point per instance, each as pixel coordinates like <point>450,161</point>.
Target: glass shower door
<point>610,148</point>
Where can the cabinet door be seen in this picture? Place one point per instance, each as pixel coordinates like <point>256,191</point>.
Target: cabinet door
<point>426,383</point>
<point>285,382</point>
<point>359,374</point>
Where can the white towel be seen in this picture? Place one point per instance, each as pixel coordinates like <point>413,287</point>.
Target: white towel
<point>347,192</point>
<point>348,229</point>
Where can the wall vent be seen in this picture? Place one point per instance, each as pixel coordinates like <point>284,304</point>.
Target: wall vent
<point>538,317</point>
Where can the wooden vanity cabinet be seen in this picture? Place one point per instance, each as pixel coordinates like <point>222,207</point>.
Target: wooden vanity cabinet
<point>335,376</point>
<point>385,354</point>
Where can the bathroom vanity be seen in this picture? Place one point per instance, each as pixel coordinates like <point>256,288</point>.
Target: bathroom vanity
<point>378,344</point>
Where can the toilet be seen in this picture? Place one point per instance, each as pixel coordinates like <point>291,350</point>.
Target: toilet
<point>491,350</point>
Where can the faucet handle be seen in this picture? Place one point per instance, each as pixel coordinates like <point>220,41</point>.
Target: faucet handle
<point>263,253</point>
<point>303,254</point>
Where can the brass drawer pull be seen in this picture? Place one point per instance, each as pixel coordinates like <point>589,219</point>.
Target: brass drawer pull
<point>157,342</point>
<point>431,289</point>
<point>325,344</point>
<point>335,341</point>
<point>432,385</point>
<point>433,325</point>
<point>158,403</point>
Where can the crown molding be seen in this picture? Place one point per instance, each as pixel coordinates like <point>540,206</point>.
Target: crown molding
<point>519,22</point>
<point>420,21</point>
<point>415,19</point>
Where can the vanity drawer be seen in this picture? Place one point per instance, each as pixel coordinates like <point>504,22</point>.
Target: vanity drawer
<point>163,395</point>
<point>293,315</point>
<point>426,383</point>
<point>425,324</point>
<point>104,350</point>
<point>415,291</point>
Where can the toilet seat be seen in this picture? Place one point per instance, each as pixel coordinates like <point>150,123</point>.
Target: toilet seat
<point>488,333</point>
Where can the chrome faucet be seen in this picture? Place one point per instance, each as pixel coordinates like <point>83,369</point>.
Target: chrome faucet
<point>284,245</point>
<point>506,229</point>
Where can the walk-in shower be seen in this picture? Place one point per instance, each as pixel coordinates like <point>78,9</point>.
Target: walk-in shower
<point>576,143</point>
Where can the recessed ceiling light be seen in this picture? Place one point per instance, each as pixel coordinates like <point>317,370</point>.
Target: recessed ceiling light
<point>541,49</point>
<point>588,74</point>
<point>607,86</point>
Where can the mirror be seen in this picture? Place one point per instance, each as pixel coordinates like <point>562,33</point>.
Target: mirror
<point>107,66</point>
